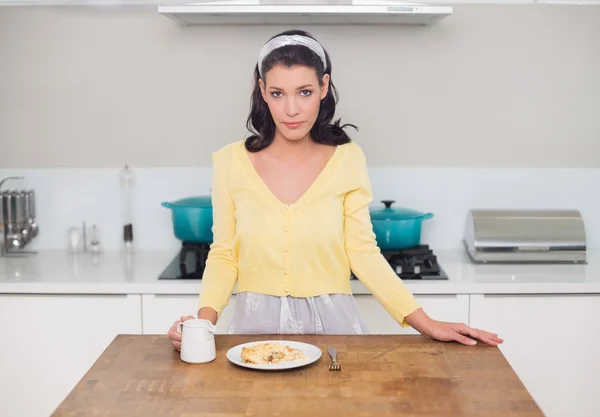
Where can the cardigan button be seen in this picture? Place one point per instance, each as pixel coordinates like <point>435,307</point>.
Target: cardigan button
<point>287,290</point>
<point>286,249</point>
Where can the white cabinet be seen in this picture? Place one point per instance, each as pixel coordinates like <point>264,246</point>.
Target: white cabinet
<point>50,341</point>
<point>161,311</point>
<point>552,342</point>
<point>461,2</point>
<point>439,307</point>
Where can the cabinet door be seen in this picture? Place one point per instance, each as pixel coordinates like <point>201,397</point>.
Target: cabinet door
<point>161,311</point>
<point>461,2</point>
<point>452,307</point>
<point>551,341</point>
<point>50,341</point>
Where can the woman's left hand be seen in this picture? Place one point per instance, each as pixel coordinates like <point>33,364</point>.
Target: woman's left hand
<point>447,332</point>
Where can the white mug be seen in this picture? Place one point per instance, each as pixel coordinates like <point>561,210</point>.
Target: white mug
<point>197,341</point>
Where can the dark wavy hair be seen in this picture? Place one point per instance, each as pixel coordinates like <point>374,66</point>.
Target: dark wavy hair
<point>260,122</point>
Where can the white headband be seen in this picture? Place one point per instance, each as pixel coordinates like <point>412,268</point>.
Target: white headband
<point>284,40</point>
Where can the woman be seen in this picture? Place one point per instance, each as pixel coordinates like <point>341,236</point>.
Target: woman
<point>291,214</point>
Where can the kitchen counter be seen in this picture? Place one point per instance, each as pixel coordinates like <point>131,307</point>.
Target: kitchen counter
<point>108,296</point>
<point>56,272</point>
<point>379,376</point>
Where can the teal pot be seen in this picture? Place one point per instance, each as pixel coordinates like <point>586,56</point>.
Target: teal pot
<point>192,219</point>
<point>397,228</point>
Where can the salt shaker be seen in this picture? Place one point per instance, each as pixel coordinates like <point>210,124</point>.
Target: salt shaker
<point>75,241</point>
<point>95,243</point>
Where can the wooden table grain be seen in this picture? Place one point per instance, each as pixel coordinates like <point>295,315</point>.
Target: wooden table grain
<point>381,376</point>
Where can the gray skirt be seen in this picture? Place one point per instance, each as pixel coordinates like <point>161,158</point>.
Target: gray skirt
<point>256,313</point>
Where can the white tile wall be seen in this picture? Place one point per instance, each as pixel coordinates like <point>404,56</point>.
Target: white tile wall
<point>67,197</point>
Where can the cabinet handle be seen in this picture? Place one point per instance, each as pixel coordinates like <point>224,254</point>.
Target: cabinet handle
<point>175,295</point>
<point>416,295</point>
<point>437,295</point>
<point>539,295</point>
<point>69,294</point>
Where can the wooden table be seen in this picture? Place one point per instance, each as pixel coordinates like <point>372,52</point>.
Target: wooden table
<point>380,376</point>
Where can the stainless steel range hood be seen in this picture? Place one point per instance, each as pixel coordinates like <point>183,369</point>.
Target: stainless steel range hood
<point>295,12</point>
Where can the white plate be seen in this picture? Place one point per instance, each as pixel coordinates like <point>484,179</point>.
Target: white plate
<point>312,352</point>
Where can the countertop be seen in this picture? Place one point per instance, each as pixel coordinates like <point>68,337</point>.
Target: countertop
<point>56,272</point>
<point>379,376</point>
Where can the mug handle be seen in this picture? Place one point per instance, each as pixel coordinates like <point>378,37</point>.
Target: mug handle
<point>179,326</point>
<point>209,336</point>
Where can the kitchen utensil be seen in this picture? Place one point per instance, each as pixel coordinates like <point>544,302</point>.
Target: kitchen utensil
<point>19,208</point>
<point>532,236</point>
<point>84,236</point>
<point>192,219</point>
<point>27,209</point>
<point>17,225</point>
<point>234,355</point>
<point>197,341</point>
<point>8,179</point>
<point>335,366</point>
<point>22,224</point>
<point>33,226</point>
<point>397,228</point>
<point>2,227</point>
<point>14,239</point>
<point>126,178</point>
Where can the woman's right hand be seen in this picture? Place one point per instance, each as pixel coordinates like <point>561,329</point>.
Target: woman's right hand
<point>174,335</point>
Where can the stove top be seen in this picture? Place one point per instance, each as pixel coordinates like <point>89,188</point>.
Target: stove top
<point>414,263</point>
<point>410,264</point>
<point>189,262</point>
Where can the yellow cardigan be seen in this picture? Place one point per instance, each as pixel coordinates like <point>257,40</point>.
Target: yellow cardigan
<point>302,249</point>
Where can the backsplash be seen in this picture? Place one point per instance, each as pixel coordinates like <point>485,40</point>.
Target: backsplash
<point>67,197</point>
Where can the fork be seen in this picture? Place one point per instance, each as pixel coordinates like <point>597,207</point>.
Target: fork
<point>335,366</point>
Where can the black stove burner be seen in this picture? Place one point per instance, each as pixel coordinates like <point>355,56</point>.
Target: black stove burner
<point>414,263</point>
<point>189,263</point>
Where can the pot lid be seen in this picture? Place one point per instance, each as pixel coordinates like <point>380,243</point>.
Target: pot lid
<point>400,213</point>
<point>201,201</point>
